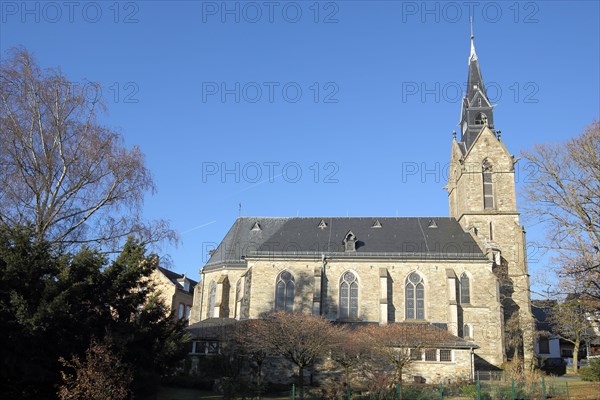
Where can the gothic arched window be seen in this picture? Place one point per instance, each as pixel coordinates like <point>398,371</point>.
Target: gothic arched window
<point>284,291</point>
<point>238,298</point>
<point>488,188</point>
<point>415,297</point>
<point>467,334</point>
<point>465,289</point>
<point>480,119</point>
<point>212,295</point>
<point>348,295</point>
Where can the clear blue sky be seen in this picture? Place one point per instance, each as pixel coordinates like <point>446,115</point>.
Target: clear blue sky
<point>379,85</point>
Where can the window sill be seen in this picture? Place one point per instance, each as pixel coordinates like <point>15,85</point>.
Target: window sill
<point>433,362</point>
<point>349,319</point>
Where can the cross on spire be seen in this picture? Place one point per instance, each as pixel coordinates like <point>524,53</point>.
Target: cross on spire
<point>473,55</point>
<point>477,110</point>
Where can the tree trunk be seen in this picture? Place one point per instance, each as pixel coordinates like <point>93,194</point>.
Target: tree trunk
<point>301,381</point>
<point>347,371</point>
<point>576,355</point>
<point>259,379</point>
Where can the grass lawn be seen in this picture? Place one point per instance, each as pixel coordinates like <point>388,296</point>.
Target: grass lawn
<point>173,393</point>
<point>578,390</point>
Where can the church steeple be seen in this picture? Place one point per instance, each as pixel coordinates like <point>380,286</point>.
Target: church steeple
<point>476,107</point>
<point>473,55</point>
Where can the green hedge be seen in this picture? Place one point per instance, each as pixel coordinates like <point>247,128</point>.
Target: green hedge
<point>591,373</point>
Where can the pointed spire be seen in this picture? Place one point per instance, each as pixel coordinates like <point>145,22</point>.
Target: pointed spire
<point>477,110</point>
<point>473,55</point>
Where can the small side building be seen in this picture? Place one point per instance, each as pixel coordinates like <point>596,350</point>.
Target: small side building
<point>176,290</point>
<point>440,356</point>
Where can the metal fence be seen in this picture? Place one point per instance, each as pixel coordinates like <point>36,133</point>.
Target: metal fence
<point>480,390</point>
<point>489,376</point>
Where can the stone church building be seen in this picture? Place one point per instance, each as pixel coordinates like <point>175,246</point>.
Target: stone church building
<point>466,273</point>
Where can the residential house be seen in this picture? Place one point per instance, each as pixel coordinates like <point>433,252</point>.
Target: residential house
<point>176,290</point>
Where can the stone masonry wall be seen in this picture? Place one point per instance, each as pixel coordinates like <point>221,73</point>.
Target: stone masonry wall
<point>169,294</point>
<point>495,227</point>
<point>483,313</point>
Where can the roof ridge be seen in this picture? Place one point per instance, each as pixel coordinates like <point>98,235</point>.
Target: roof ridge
<point>347,217</point>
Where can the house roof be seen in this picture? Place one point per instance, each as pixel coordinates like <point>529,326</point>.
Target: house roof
<point>211,328</point>
<point>433,335</point>
<point>540,310</point>
<point>176,278</point>
<point>439,238</point>
<point>423,334</point>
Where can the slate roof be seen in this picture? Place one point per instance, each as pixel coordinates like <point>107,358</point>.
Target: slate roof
<point>425,333</point>
<point>475,90</point>
<point>174,277</point>
<point>434,336</point>
<point>540,310</point>
<point>211,328</point>
<point>440,238</point>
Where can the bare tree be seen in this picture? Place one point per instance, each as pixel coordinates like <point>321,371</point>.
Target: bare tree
<point>513,336</point>
<point>61,170</point>
<point>571,322</point>
<point>300,338</point>
<point>350,350</point>
<point>394,345</point>
<point>248,336</point>
<point>565,196</point>
<point>400,345</point>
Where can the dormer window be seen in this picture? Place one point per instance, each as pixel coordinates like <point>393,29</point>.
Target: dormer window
<point>256,227</point>
<point>350,242</point>
<point>376,224</point>
<point>322,225</point>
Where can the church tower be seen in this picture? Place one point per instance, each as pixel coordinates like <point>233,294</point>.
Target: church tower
<point>482,198</point>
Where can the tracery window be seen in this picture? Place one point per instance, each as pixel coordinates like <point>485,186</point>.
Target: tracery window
<point>415,297</point>
<point>465,289</point>
<point>238,298</point>
<point>349,295</point>
<point>284,291</point>
<point>488,186</point>
<point>212,296</point>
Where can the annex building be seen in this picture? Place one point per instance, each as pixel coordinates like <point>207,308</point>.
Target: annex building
<point>465,273</point>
